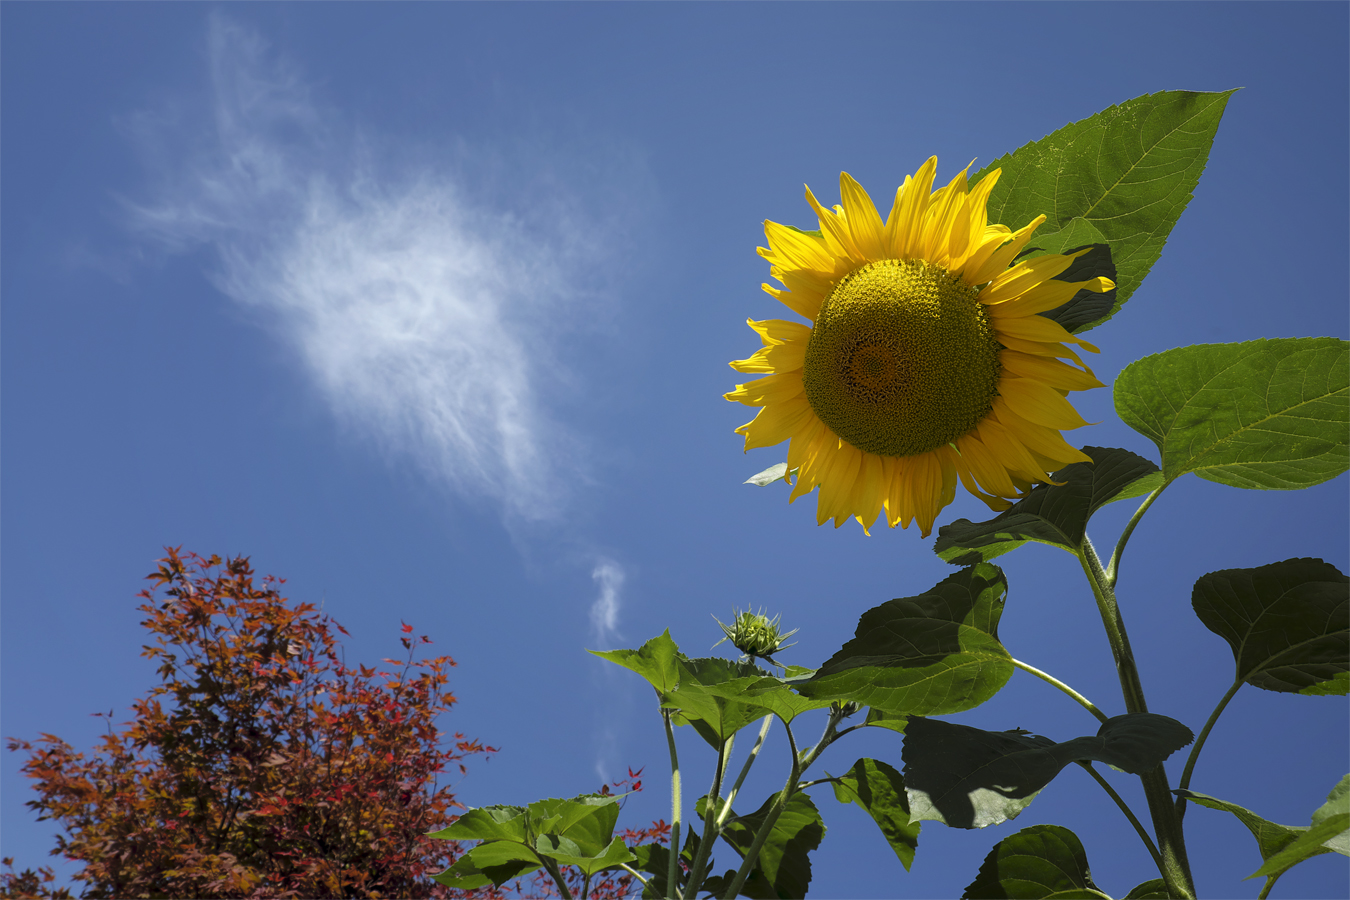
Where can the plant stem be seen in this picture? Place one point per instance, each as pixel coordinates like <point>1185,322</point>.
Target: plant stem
<point>1176,870</point>
<point>1050,679</point>
<point>1113,569</point>
<point>800,763</point>
<point>673,871</point>
<point>1200,742</point>
<point>709,835</point>
<point>1129,813</point>
<point>634,872</point>
<point>745,770</point>
<point>551,867</point>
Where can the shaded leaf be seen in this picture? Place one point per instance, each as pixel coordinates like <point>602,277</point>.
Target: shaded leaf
<point>1288,623</point>
<point>778,472</point>
<point>882,719</point>
<point>970,778</point>
<point>1054,514</point>
<point>783,859</point>
<point>1271,837</point>
<point>1084,308</point>
<point>1154,889</point>
<point>935,653</point>
<point>654,661</point>
<point>1037,862</point>
<point>880,790</point>
<point>766,691</point>
<point>1129,171</point>
<point>654,859</point>
<point>1265,414</point>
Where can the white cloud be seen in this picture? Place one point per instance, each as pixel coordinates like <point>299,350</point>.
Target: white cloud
<point>421,315</point>
<point>609,575</point>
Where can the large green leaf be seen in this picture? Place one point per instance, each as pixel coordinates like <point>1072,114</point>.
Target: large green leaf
<point>880,790</point>
<point>1129,171</point>
<point>1268,414</point>
<point>1084,308</point>
<point>970,778</point>
<point>487,823</point>
<point>654,661</point>
<point>566,852</point>
<point>1054,514</point>
<point>1288,623</point>
<point>783,860</point>
<point>765,691</point>
<point>927,655</point>
<point>715,715</point>
<point>492,862</point>
<point>1037,862</point>
<point>1153,889</point>
<point>1284,846</point>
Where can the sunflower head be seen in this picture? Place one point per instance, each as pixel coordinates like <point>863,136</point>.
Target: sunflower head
<point>925,361</point>
<point>755,634</point>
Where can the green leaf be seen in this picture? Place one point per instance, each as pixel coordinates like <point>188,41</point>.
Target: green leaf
<point>655,860</point>
<point>773,473</point>
<point>1265,414</point>
<point>493,862</point>
<point>1037,862</point>
<point>1129,171</point>
<point>714,716</point>
<point>1284,846</point>
<point>882,719</point>
<point>1084,308</point>
<point>654,661</point>
<point>567,853</point>
<point>935,653</point>
<point>587,820</point>
<point>783,859</point>
<point>1154,889</point>
<point>1054,514</point>
<point>765,691</point>
<point>487,823</point>
<point>1288,623</point>
<point>880,790</point>
<point>970,778</point>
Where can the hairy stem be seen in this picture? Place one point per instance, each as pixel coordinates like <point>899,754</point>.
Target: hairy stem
<point>673,871</point>
<point>745,770</point>
<point>1113,568</point>
<point>700,864</point>
<point>1200,742</point>
<point>1176,869</point>
<point>1129,813</point>
<point>551,867</point>
<point>1050,679</point>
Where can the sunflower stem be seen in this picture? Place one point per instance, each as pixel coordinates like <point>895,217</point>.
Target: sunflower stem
<point>1129,813</point>
<point>673,870</point>
<point>1200,742</point>
<point>710,827</point>
<point>1175,868</point>
<point>745,770</point>
<point>1050,679</point>
<point>1113,567</point>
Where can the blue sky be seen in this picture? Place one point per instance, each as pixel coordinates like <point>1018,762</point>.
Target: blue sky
<point>427,308</point>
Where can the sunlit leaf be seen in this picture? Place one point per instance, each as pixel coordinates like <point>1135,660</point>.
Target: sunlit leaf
<point>1084,308</point>
<point>1129,171</point>
<point>1288,623</point>
<point>770,693</point>
<point>1037,862</point>
<point>880,790</point>
<point>654,661</point>
<point>935,653</point>
<point>566,852</point>
<point>714,716</point>
<point>1054,514</point>
<point>778,472</point>
<point>1267,414</point>
<point>487,823</point>
<point>493,862</point>
<point>970,778</point>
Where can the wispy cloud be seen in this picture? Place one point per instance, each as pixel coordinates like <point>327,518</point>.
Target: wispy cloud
<point>421,313</point>
<point>609,575</point>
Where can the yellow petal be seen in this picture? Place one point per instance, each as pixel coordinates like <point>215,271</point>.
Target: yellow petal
<point>1038,328</point>
<point>1038,403</point>
<point>908,230</point>
<point>1005,254</point>
<point>1047,443</point>
<point>985,466</point>
<point>835,231</point>
<point>1024,276</point>
<point>1047,370</point>
<point>796,250</point>
<point>863,220</point>
<point>776,423</point>
<point>769,389</point>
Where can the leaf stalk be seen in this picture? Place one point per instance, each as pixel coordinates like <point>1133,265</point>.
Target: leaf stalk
<point>1050,679</point>
<point>1200,742</point>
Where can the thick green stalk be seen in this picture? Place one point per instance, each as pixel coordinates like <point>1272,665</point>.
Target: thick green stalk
<point>552,869</point>
<point>1176,870</point>
<point>709,836</point>
<point>745,770</point>
<point>673,871</point>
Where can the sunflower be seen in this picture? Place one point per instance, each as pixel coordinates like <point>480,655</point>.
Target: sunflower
<point>925,363</point>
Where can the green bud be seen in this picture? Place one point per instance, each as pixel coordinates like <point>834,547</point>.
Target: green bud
<point>754,634</point>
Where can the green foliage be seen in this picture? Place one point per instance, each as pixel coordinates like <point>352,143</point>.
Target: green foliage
<point>1153,889</point>
<point>654,661</point>
<point>1037,862</point>
<point>970,778</point>
<point>784,867</point>
<point>1284,846</point>
<point>880,790</point>
<point>1086,307</point>
<point>1127,171</point>
<point>927,655</point>
<point>1265,414</point>
<point>776,472</point>
<point>716,716</point>
<point>1054,514</point>
<point>1288,623</point>
<point>515,841</point>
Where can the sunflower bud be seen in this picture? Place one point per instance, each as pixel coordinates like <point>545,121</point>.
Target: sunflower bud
<point>754,634</point>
